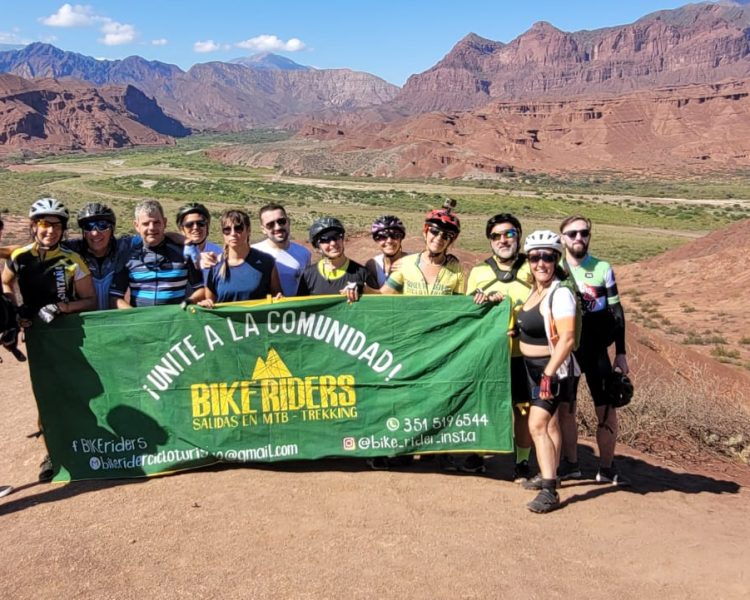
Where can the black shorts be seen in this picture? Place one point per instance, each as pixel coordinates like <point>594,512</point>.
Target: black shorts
<point>596,366</point>
<point>566,393</point>
<point>520,392</point>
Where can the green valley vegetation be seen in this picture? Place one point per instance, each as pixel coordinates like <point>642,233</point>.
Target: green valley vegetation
<point>627,228</point>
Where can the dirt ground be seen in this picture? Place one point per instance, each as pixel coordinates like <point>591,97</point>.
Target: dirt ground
<point>336,529</point>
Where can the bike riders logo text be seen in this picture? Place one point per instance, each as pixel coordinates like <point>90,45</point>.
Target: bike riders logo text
<point>273,396</point>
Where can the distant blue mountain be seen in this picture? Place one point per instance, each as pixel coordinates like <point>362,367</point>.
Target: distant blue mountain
<point>270,61</point>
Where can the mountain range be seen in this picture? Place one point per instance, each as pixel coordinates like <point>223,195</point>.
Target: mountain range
<point>214,95</point>
<point>50,115</point>
<point>556,75</point>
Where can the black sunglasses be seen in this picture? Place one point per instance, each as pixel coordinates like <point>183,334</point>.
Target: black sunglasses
<point>508,234</point>
<point>548,257</point>
<point>193,224</point>
<point>230,228</point>
<point>446,235</point>
<point>280,222</point>
<point>331,237</point>
<point>96,226</point>
<point>381,236</point>
<point>573,233</point>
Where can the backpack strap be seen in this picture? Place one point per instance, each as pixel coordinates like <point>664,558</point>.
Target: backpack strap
<point>553,327</point>
<point>506,276</point>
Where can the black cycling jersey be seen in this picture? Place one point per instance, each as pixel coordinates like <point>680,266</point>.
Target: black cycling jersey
<point>315,281</point>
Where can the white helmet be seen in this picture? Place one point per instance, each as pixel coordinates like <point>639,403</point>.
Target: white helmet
<point>49,207</point>
<point>543,239</point>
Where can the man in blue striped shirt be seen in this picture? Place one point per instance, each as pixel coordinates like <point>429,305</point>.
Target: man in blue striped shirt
<point>156,271</point>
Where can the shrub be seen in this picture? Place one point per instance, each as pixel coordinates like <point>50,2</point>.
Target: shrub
<point>693,411</point>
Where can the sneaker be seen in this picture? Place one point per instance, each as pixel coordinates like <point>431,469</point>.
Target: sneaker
<point>5,490</point>
<point>522,471</point>
<point>610,475</point>
<point>472,464</point>
<point>401,461</point>
<point>568,470</point>
<point>545,501</point>
<point>46,470</point>
<point>535,483</point>
<point>379,463</point>
<point>447,462</point>
<point>383,463</point>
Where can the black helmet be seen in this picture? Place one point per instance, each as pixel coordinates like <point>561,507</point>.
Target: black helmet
<point>192,207</point>
<point>619,389</point>
<point>502,218</point>
<point>324,225</point>
<point>94,211</point>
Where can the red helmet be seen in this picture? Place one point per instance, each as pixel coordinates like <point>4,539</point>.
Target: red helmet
<point>442,218</point>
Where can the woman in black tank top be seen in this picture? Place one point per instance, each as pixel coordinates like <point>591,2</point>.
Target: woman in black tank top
<point>544,249</point>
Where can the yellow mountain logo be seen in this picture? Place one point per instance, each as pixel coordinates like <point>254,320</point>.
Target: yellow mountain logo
<point>271,368</point>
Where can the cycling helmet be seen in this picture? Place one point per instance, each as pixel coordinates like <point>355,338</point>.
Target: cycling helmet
<point>444,219</point>
<point>387,223</point>
<point>192,207</point>
<point>324,225</point>
<point>49,207</point>
<point>543,240</point>
<point>619,389</point>
<point>502,218</point>
<point>93,211</point>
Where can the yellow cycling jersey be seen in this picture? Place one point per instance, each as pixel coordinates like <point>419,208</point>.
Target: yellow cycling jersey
<point>407,278</point>
<point>46,278</point>
<point>483,277</point>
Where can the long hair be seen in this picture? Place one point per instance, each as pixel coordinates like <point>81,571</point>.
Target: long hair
<point>227,219</point>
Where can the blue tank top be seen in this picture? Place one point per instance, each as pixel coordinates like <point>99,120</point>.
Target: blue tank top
<point>250,280</point>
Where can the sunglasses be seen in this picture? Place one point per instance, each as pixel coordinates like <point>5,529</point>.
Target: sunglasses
<point>280,222</point>
<point>331,237</point>
<point>201,223</point>
<point>573,233</point>
<point>547,257</point>
<point>42,224</point>
<point>96,226</point>
<point>508,234</point>
<point>233,229</point>
<point>446,235</point>
<point>382,236</point>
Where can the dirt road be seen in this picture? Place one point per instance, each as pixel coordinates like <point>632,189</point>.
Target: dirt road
<point>336,529</point>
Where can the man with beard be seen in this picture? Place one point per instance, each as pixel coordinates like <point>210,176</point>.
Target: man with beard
<point>291,258</point>
<point>506,274</point>
<point>603,324</point>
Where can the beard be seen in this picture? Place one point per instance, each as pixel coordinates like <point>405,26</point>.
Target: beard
<point>578,250</point>
<point>510,255</point>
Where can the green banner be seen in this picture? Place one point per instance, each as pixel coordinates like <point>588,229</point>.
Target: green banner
<point>137,392</point>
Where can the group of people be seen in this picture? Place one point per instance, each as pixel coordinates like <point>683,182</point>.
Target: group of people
<point>565,309</point>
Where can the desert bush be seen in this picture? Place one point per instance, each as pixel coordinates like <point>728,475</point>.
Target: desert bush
<point>704,340</point>
<point>689,414</point>
<point>724,352</point>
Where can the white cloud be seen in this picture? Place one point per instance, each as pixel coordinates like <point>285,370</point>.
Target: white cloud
<point>116,33</point>
<point>159,42</point>
<point>70,15</point>
<point>9,37</point>
<point>209,46</point>
<point>82,15</point>
<point>269,43</point>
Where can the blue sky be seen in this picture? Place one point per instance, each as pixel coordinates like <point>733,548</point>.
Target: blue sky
<point>391,39</point>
